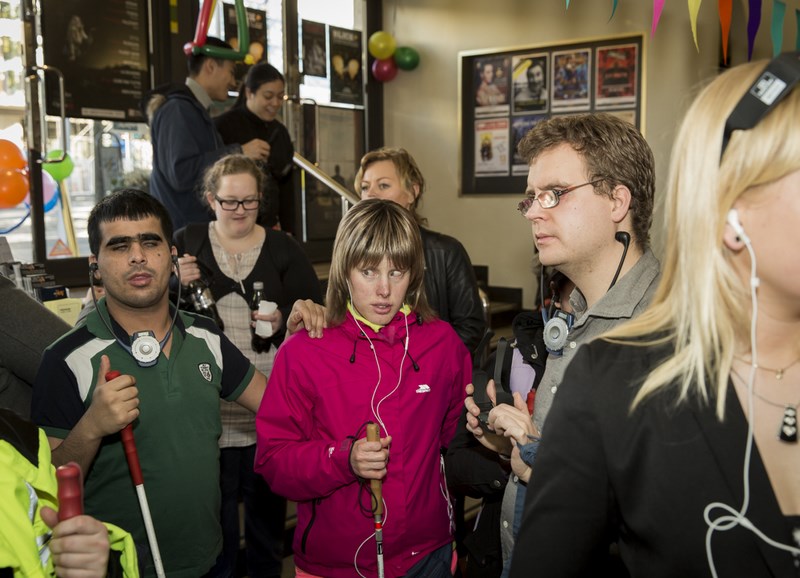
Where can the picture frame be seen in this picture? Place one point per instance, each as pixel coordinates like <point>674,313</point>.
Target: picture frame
<point>504,92</point>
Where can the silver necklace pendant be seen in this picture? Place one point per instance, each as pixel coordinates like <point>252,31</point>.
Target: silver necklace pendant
<point>788,431</point>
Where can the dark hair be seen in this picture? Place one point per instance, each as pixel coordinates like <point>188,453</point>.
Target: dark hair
<point>259,74</point>
<point>130,205</point>
<point>194,62</point>
<point>612,149</point>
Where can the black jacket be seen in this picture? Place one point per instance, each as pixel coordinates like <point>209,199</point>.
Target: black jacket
<point>282,266</point>
<point>239,126</point>
<point>478,472</point>
<point>451,287</point>
<point>645,475</point>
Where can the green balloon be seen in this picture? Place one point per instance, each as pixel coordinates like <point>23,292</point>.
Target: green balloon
<point>406,58</point>
<point>59,171</point>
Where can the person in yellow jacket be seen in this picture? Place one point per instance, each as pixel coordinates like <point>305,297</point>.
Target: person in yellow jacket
<point>33,543</point>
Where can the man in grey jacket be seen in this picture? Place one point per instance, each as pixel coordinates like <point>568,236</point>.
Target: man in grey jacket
<point>590,194</point>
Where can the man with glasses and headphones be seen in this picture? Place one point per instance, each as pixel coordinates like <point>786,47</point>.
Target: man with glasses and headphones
<point>173,368</point>
<point>589,200</point>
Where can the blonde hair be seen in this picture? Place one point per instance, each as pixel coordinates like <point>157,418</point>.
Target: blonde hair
<point>371,230</point>
<point>235,164</point>
<point>701,304</point>
<point>407,171</point>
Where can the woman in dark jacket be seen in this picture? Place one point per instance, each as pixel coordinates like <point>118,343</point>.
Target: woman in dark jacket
<point>255,116</point>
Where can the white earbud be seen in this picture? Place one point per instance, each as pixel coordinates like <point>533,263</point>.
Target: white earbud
<point>736,225</point>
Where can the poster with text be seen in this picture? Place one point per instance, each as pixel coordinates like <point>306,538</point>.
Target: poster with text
<point>571,80</point>
<point>530,86</point>
<point>347,84</point>
<point>101,47</point>
<point>491,147</point>
<point>315,56</point>
<point>616,76</point>
<point>491,80</point>
<point>257,31</point>
<point>520,126</point>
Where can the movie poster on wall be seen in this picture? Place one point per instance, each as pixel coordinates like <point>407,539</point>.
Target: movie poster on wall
<point>616,76</point>
<point>315,55</point>
<point>257,31</point>
<point>101,47</point>
<point>491,80</point>
<point>517,87</point>
<point>491,147</point>
<point>571,90</point>
<point>520,126</point>
<point>530,87</point>
<point>345,59</point>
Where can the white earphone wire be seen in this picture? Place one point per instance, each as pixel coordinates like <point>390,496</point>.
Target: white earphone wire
<point>734,517</point>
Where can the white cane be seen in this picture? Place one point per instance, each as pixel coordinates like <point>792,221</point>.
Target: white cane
<point>136,475</point>
<point>373,435</point>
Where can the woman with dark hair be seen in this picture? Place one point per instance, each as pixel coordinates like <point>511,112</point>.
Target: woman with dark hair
<point>384,358</point>
<point>255,116</point>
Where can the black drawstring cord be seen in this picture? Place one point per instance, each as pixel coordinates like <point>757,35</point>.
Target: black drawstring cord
<point>353,357</point>
<point>413,363</point>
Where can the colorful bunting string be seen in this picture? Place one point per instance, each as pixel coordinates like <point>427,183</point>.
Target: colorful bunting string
<point>613,10</point>
<point>658,6</point>
<point>778,14</point>
<point>694,8</point>
<point>753,24</point>
<point>725,10</point>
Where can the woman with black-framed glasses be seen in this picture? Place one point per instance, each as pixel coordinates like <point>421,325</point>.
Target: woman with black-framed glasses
<point>230,254</point>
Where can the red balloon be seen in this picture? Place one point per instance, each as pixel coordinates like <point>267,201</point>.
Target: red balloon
<point>384,70</point>
<point>13,188</point>
<point>10,156</point>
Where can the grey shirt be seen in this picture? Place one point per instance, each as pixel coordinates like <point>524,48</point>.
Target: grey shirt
<point>629,297</point>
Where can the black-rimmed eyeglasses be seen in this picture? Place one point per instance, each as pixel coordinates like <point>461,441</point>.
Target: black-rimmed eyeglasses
<point>549,199</point>
<point>232,205</point>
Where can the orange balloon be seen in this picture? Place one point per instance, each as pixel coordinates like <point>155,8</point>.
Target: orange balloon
<point>13,188</point>
<point>10,156</point>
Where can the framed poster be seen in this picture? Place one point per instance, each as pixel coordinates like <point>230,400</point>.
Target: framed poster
<point>347,84</point>
<point>315,54</point>
<point>101,47</point>
<point>257,32</point>
<point>505,92</point>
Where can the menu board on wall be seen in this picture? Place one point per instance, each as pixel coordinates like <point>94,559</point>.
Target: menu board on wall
<point>101,47</point>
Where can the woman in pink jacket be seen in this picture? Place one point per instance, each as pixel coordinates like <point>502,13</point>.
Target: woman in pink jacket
<point>384,358</point>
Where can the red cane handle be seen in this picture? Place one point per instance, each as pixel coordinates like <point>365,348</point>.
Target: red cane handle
<point>70,491</point>
<point>128,443</point>
<point>373,435</point>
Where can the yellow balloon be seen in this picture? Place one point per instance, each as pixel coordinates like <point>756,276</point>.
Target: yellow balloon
<point>381,45</point>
